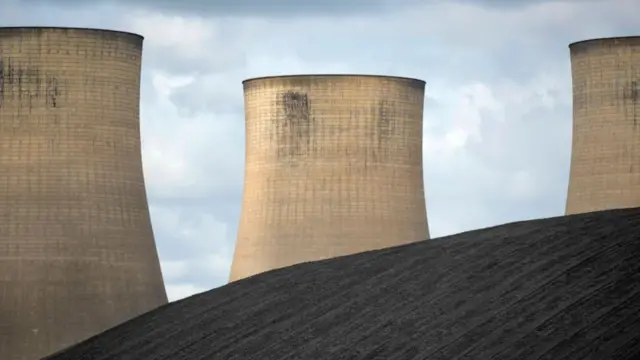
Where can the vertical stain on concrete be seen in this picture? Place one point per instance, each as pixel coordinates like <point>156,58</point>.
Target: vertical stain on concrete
<point>25,85</point>
<point>384,121</point>
<point>1,81</point>
<point>382,130</point>
<point>52,92</point>
<point>579,95</point>
<point>294,126</point>
<point>631,96</point>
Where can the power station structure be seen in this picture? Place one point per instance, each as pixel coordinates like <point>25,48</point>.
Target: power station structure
<point>333,167</point>
<point>77,251</point>
<point>605,159</point>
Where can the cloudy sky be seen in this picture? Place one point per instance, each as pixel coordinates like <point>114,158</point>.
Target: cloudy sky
<point>497,133</point>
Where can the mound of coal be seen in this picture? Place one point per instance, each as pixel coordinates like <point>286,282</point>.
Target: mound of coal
<point>559,288</point>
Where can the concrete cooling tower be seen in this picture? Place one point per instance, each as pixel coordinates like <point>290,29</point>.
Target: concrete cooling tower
<point>333,167</point>
<point>605,161</point>
<point>77,252</point>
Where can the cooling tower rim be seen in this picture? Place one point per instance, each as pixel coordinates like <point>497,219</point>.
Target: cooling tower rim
<point>111,31</point>
<point>276,77</point>
<point>603,39</point>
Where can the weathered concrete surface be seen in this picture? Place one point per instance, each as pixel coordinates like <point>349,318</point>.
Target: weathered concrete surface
<point>605,160</point>
<point>77,252</point>
<point>333,167</point>
<point>553,289</point>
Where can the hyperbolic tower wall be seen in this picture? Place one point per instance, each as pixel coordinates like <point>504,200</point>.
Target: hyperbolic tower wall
<point>77,252</point>
<point>605,162</point>
<point>333,167</point>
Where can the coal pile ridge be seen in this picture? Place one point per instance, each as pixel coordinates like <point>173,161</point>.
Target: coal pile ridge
<point>558,288</point>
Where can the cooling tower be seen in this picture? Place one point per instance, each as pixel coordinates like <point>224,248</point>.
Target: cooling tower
<point>77,252</point>
<point>605,161</point>
<point>333,167</point>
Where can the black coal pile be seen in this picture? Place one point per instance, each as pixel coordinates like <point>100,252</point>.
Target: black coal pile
<point>559,288</point>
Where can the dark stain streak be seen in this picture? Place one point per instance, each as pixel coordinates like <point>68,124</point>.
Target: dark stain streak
<point>631,93</point>
<point>53,91</point>
<point>384,121</point>
<point>385,114</point>
<point>1,82</point>
<point>26,83</point>
<point>294,125</point>
<point>21,73</point>
<point>635,94</point>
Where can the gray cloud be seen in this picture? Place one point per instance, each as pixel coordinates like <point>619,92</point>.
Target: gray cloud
<point>251,7</point>
<point>510,4</point>
<point>213,94</point>
<point>263,8</point>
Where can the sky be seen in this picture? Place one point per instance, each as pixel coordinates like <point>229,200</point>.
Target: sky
<point>497,119</point>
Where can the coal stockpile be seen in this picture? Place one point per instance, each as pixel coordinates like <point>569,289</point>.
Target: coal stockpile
<point>559,288</point>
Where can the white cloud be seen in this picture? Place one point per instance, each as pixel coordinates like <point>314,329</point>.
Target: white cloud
<point>173,270</point>
<point>516,28</point>
<point>176,33</point>
<point>187,277</point>
<point>201,232</point>
<point>521,186</point>
<point>188,155</point>
<point>482,150</point>
<point>195,248</point>
<point>181,291</point>
<point>186,44</point>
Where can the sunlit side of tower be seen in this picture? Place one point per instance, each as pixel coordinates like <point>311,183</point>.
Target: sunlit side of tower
<point>605,161</point>
<point>77,252</point>
<point>333,167</point>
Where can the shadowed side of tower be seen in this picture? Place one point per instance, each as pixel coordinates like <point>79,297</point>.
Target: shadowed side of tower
<point>77,252</point>
<point>605,159</point>
<point>333,167</point>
